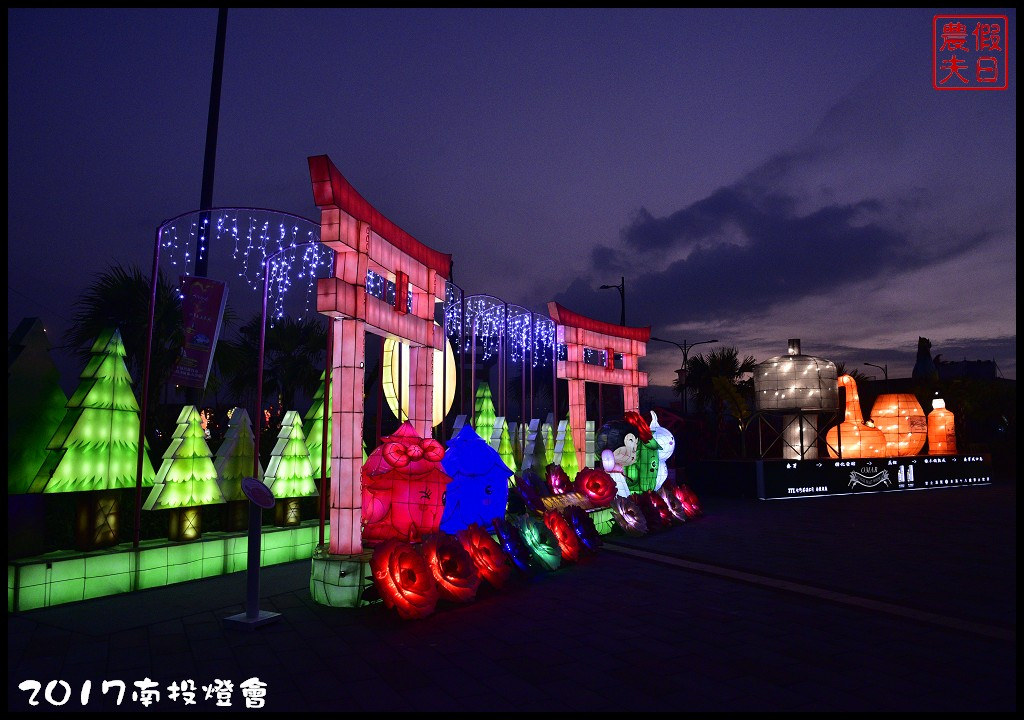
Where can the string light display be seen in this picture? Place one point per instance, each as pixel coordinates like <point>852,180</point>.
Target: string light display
<point>255,235</point>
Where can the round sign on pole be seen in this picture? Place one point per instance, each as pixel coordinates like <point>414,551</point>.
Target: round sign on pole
<point>258,492</point>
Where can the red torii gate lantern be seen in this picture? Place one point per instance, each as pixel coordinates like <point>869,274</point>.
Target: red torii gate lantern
<point>579,333</point>
<point>365,241</point>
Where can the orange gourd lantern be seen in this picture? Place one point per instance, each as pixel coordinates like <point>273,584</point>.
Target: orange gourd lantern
<point>853,437</point>
<point>941,433</point>
<point>900,418</point>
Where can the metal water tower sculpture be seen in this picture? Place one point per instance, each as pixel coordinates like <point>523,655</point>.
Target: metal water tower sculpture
<point>800,388</point>
<point>385,282</point>
<point>593,352</point>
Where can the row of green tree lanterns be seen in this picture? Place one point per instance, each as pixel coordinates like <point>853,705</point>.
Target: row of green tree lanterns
<point>94,452</point>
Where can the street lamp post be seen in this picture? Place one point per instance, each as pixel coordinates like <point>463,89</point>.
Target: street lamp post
<point>682,371</point>
<point>621,287</point>
<point>885,372</point>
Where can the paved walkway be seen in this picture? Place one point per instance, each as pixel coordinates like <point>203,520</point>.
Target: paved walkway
<point>886,602</point>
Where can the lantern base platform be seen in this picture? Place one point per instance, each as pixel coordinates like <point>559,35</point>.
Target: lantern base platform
<point>244,622</point>
<point>342,580</point>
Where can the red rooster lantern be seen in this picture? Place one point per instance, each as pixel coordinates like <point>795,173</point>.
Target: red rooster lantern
<point>403,488</point>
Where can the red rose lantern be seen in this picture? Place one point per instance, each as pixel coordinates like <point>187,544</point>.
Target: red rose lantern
<point>655,510</point>
<point>568,542</point>
<point>403,486</point>
<point>596,485</point>
<point>674,504</point>
<point>691,505</point>
<point>491,563</point>
<point>404,580</point>
<point>452,567</point>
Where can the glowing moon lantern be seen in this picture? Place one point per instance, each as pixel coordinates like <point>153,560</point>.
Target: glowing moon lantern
<point>404,580</point>
<point>853,437</point>
<point>444,379</point>
<point>900,418</point>
<point>941,433</point>
<point>452,568</point>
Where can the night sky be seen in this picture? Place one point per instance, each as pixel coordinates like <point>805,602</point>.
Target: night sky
<point>754,175</point>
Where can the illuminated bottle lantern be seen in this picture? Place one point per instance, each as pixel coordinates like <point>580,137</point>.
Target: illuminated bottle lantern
<point>900,418</point>
<point>941,433</point>
<point>853,438</point>
<point>798,386</point>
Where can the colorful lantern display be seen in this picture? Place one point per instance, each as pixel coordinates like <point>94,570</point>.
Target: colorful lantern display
<point>557,480</point>
<point>478,489</point>
<point>568,542</point>
<point>941,432</point>
<point>404,579</point>
<point>900,418</point>
<point>667,492</point>
<point>403,488</point>
<point>542,544</point>
<point>452,567</point>
<point>491,563</point>
<point>629,516</point>
<point>567,458</point>
<point>655,511</point>
<point>666,446</point>
<point>597,485</point>
<point>582,524</point>
<point>512,544</point>
<point>853,438</point>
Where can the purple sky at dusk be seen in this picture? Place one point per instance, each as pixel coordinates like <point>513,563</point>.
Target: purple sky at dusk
<point>755,175</point>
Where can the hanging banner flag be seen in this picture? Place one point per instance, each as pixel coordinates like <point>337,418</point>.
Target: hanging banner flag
<point>203,310</point>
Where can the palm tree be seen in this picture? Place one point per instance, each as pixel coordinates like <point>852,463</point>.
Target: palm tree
<point>722,382</point>
<point>119,297</point>
<point>293,360</point>
<point>858,377</point>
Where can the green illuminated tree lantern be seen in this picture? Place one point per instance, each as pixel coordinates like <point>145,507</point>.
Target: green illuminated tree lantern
<point>505,449</point>
<point>35,403</point>
<point>187,479</point>
<point>234,461</point>
<point>483,415</point>
<point>568,457</point>
<point>549,441</point>
<point>314,429</point>
<point>289,473</point>
<point>95,448</point>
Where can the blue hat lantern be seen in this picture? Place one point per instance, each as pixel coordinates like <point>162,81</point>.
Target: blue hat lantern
<point>478,491</point>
